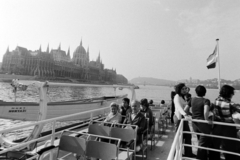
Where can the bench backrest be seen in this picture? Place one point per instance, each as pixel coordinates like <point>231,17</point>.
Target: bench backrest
<point>125,135</point>
<point>71,144</point>
<point>99,130</point>
<point>101,150</point>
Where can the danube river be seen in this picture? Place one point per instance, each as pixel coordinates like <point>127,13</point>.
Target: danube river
<point>156,93</point>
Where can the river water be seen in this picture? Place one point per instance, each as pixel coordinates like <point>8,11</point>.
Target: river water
<point>156,93</point>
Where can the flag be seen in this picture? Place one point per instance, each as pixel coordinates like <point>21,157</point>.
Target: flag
<point>212,59</point>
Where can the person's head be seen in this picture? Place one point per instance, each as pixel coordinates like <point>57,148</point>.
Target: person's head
<point>135,106</point>
<point>144,103</point>
<point>162,102</point>
<point>114,108</point>
<point>200,91</point>
<point>181,89</point>
<point>227,92</point>
<point>126,102</point>
<point>188,89</point>
<point>151,101</point>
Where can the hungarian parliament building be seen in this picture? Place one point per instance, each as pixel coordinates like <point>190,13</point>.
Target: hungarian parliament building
<point>59,64</point>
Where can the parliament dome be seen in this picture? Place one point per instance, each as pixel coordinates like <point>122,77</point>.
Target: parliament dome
<point>80,50</point>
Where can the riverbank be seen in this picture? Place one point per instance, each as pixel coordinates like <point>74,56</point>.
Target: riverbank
<point>9,77</point>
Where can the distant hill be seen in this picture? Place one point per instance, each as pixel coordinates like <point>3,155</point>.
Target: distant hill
<point>151,81</point>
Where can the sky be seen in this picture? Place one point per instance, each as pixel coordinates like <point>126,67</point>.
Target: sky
<point>166,39</point>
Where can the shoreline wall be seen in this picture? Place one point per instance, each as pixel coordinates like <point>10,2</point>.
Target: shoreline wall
<point>10,77</point>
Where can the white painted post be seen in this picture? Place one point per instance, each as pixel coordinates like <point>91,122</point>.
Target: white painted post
<point>115,92</point>
<point>53,132</point>
<point>181,139</point>
<point>133,94</point>
<point>53,138</point>
<point>15,95</point>
<point>91,116</point>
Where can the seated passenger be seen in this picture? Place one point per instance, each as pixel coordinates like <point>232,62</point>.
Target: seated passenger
<point>151,103</point>
<point>114,116</point>
<point>166,110</point>
<point>125,108</point>
<point>135,117</point>
<point>147,112</point>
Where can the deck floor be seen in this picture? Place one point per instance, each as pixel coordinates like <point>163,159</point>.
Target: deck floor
<point>161,151</point>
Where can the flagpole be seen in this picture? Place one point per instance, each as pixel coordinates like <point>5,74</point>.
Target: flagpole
<point>219,79</point>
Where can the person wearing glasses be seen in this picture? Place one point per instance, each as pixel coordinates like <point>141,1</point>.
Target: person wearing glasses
<point>180,103</point>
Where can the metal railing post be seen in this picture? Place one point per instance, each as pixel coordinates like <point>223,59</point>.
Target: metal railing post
<point>181,139</point>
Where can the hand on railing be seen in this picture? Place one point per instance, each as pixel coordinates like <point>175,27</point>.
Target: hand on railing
<point>187,117</point>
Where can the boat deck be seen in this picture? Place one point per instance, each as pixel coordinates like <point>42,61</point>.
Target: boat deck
<point>160,152</point>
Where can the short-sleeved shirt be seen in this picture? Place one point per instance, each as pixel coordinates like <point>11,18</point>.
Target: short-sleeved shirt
<point>224,108</point>
<point>197,104</point>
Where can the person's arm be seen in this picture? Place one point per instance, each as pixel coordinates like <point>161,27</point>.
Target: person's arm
<point>187,107</point>
<point>106,119</point>
<point>119,118</point>
<point>178,105</point>
<point>235,107</point>
<point>125,120</point>
<point>150,117</point>
<point>206,109</point>
<point>142,125</point>
<point>206,112</point>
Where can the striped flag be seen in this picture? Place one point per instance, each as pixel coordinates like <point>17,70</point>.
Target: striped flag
<point>212,59</point>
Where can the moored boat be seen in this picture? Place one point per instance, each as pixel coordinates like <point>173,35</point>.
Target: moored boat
<point>29,111</point>
<point>83,109</point>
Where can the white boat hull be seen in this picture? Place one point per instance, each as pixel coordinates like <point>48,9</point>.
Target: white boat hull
<point>28,111</point>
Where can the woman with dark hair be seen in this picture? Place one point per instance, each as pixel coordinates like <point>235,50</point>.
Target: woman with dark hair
<point>223,110</point>
<point>200,110</point>
<point>180,103</point>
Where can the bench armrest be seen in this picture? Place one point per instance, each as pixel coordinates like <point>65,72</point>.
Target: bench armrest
<point>130,143</point>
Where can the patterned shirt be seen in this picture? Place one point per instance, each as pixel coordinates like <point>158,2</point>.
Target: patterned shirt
<point>224,109</point>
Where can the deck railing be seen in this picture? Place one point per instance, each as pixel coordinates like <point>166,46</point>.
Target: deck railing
<point>43,102</point>
<point>176,150</point>
<point>52,135</point>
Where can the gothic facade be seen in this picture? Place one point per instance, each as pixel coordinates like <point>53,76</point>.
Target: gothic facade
<point>57,63</point>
